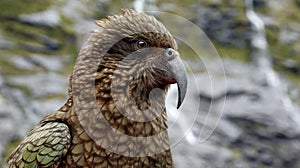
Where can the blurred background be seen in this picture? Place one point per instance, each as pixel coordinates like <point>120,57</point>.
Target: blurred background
<point>259,45</point>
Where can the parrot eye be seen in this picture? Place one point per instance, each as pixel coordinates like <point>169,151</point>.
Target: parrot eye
<point>140,44</point>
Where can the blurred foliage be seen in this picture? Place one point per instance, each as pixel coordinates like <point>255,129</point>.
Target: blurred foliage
<point>26,37</point>
<point>9,149</point>
<point>229,51</point>
<point>285,19</point>
<point>14,7</point>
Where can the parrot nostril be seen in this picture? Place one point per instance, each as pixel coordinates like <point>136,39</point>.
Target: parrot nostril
<point>170,52</point>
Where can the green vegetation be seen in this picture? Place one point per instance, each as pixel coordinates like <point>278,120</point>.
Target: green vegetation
<point>25,34</point>
<point>187,52</point>
<point>286,19</point>
<point>229,51</point>
<point>9,149</point>
<point>11,8</point>
<point>28,38</point>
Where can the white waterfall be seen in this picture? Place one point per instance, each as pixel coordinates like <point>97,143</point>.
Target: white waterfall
<point>261,59</point>
<point>145,6</point>
<point>259,46</point>
<point>139,5</point>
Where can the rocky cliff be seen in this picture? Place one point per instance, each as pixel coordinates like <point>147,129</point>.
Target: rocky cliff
<point>252,111</point>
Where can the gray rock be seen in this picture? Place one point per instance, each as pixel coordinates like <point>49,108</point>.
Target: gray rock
<point>82,26</point>
<point>288,37</point>
<point>50,43</point>
<point>7,122</point>
<point>35,47</point>
<point>47,18</point>
<point>5,43</point>
<point>16,116</point>
<point>292,66</point>
<point>222,27</point>
<point>257,128</point>
<point>50,63</point>
<point>18,112</point>
<point>44,44</point>
<point>21,62</point>
<point>48,106</point>
<point>41,84</point>
<point>259,3</point>
<point>1,81</point>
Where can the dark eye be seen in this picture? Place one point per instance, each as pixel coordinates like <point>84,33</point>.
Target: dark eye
<point>140,44</point>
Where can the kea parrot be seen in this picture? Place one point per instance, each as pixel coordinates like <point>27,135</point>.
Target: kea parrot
<point>115,115</point>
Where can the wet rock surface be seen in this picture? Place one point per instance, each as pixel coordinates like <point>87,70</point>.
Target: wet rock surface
<point>253,124</point>
<point>257,128</point>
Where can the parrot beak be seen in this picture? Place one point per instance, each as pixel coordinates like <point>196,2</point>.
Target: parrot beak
<point>177,74</point>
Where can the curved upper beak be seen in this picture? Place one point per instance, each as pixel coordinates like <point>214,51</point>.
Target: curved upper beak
<point>178,73</point>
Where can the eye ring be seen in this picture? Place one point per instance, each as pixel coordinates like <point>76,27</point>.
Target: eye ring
<point>140,44</point>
